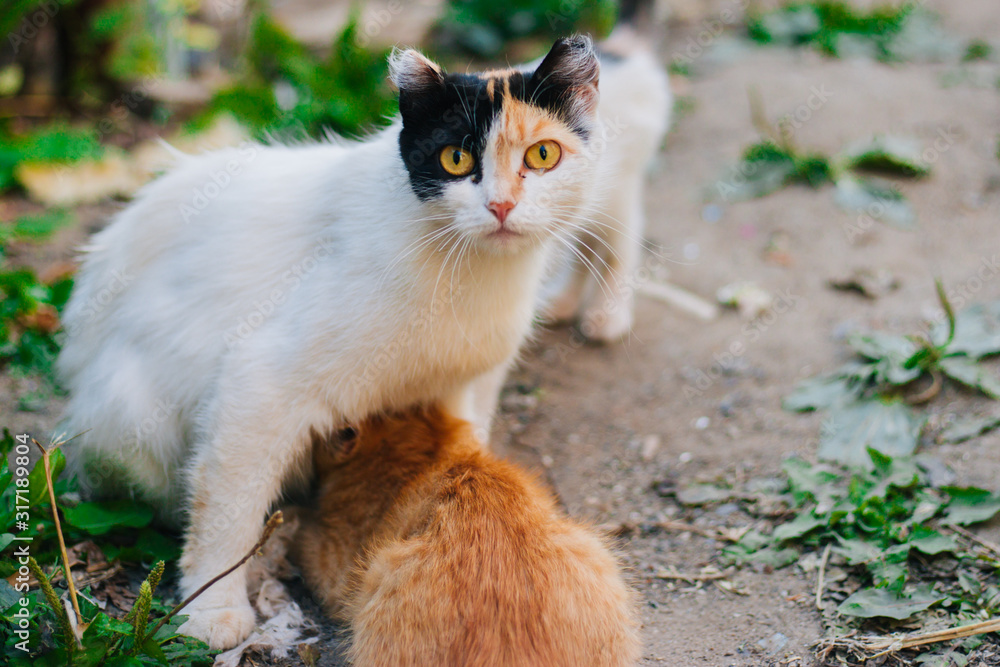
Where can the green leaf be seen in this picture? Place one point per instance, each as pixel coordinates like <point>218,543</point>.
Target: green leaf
<point>9,596</point>
<point>880,602</point>
<point>61,145</point>
<point>969,427</point>
<point>799,526</point>
<point>37,486</point>
<point>808,481</point>
<point>150,546</point>
<point>768,556</point>
<point>897,156</point>
<point>977,331</point>
<point>887,427</point>
<point>890,574</point>
<point>97,518</point>
<point>932,543</point>
<point>890,354</point>
<point>822,391</point>
<point>153,650</point>
<point>795,24</point>
<point>967,371</point>
<point>103,625</point>
<point>39,227</point>
<point>702,494</point>
<point>970,505</point>
<point>873,200</point>
<point>857,551</point>
<point>763,169</point>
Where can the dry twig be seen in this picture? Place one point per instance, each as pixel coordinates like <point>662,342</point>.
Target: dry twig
<point>887,645</point>
<point>78,625</point>
<point>822,574</point>
<point>710,574</point>
<point>272,524</point>
<point>969,535</point>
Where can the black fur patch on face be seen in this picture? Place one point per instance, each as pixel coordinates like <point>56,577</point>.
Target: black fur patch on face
<point>442,110</point>
<point>457,113</point>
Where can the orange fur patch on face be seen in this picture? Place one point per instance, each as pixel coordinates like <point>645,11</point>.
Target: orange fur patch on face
<point>518,126</point>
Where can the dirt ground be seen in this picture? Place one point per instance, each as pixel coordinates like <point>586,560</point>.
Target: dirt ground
<point>616,428</point>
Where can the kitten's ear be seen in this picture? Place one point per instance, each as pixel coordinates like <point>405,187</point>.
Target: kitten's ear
<point>571,70</point>
<point>333,449</point>
<point>416,77</point>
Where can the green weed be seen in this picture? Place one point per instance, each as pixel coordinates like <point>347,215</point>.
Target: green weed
<point>286,91</point>
<point>870,399</point>
<point>483,27</point>
<point>889,544</point>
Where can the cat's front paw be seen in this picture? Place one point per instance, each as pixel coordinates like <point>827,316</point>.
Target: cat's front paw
<point>220,627</point>
<point>562,309</point>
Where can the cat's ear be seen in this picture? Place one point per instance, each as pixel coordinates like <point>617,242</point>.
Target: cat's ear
<point>417,78</point>
<point>334,448</point>
<point>571,70</point>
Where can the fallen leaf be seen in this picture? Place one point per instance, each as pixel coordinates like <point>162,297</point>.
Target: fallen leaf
<point>977,331</point>
<point>867,283</point>
<point>967,371</point>
<point>969,427</point>
<point>881,602</point>
<point>702,494</point>
<point>970,505</point>
<point>877,201</point>
<point>900,156</point>
<point>890,428</point>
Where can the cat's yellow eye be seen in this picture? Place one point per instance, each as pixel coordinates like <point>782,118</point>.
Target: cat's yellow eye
<point>543,155</point>
<point>457,161</point>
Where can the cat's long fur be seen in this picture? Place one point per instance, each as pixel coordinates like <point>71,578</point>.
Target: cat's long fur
<point>254,295</point>
<point>438,554</point>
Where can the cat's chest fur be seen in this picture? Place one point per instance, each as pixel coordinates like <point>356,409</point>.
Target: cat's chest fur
<point>426,332</point>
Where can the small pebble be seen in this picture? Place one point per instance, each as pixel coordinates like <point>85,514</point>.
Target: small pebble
<point>650,445</point>
<point>702,423</point>
<point>685,457</point>
<point>774,643</point>
<point>711,213</point>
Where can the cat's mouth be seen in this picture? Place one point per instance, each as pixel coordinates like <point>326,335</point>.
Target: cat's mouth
<point>504,233</point>
<point>505,237</point>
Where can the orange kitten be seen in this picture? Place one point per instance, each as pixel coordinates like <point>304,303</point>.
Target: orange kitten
<point>438,553</point>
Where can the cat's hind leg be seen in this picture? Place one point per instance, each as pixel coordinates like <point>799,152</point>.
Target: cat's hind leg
<point>609,313</point>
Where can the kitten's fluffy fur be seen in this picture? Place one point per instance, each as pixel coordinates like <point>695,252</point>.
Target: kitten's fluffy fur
<point>254,295</point>
<point>438,554</point>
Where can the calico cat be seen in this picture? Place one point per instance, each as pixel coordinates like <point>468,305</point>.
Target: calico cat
<point>438,554</point>
<point>254,296</point>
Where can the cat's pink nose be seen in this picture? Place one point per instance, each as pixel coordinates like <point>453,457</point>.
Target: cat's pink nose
<point>500,209</point>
